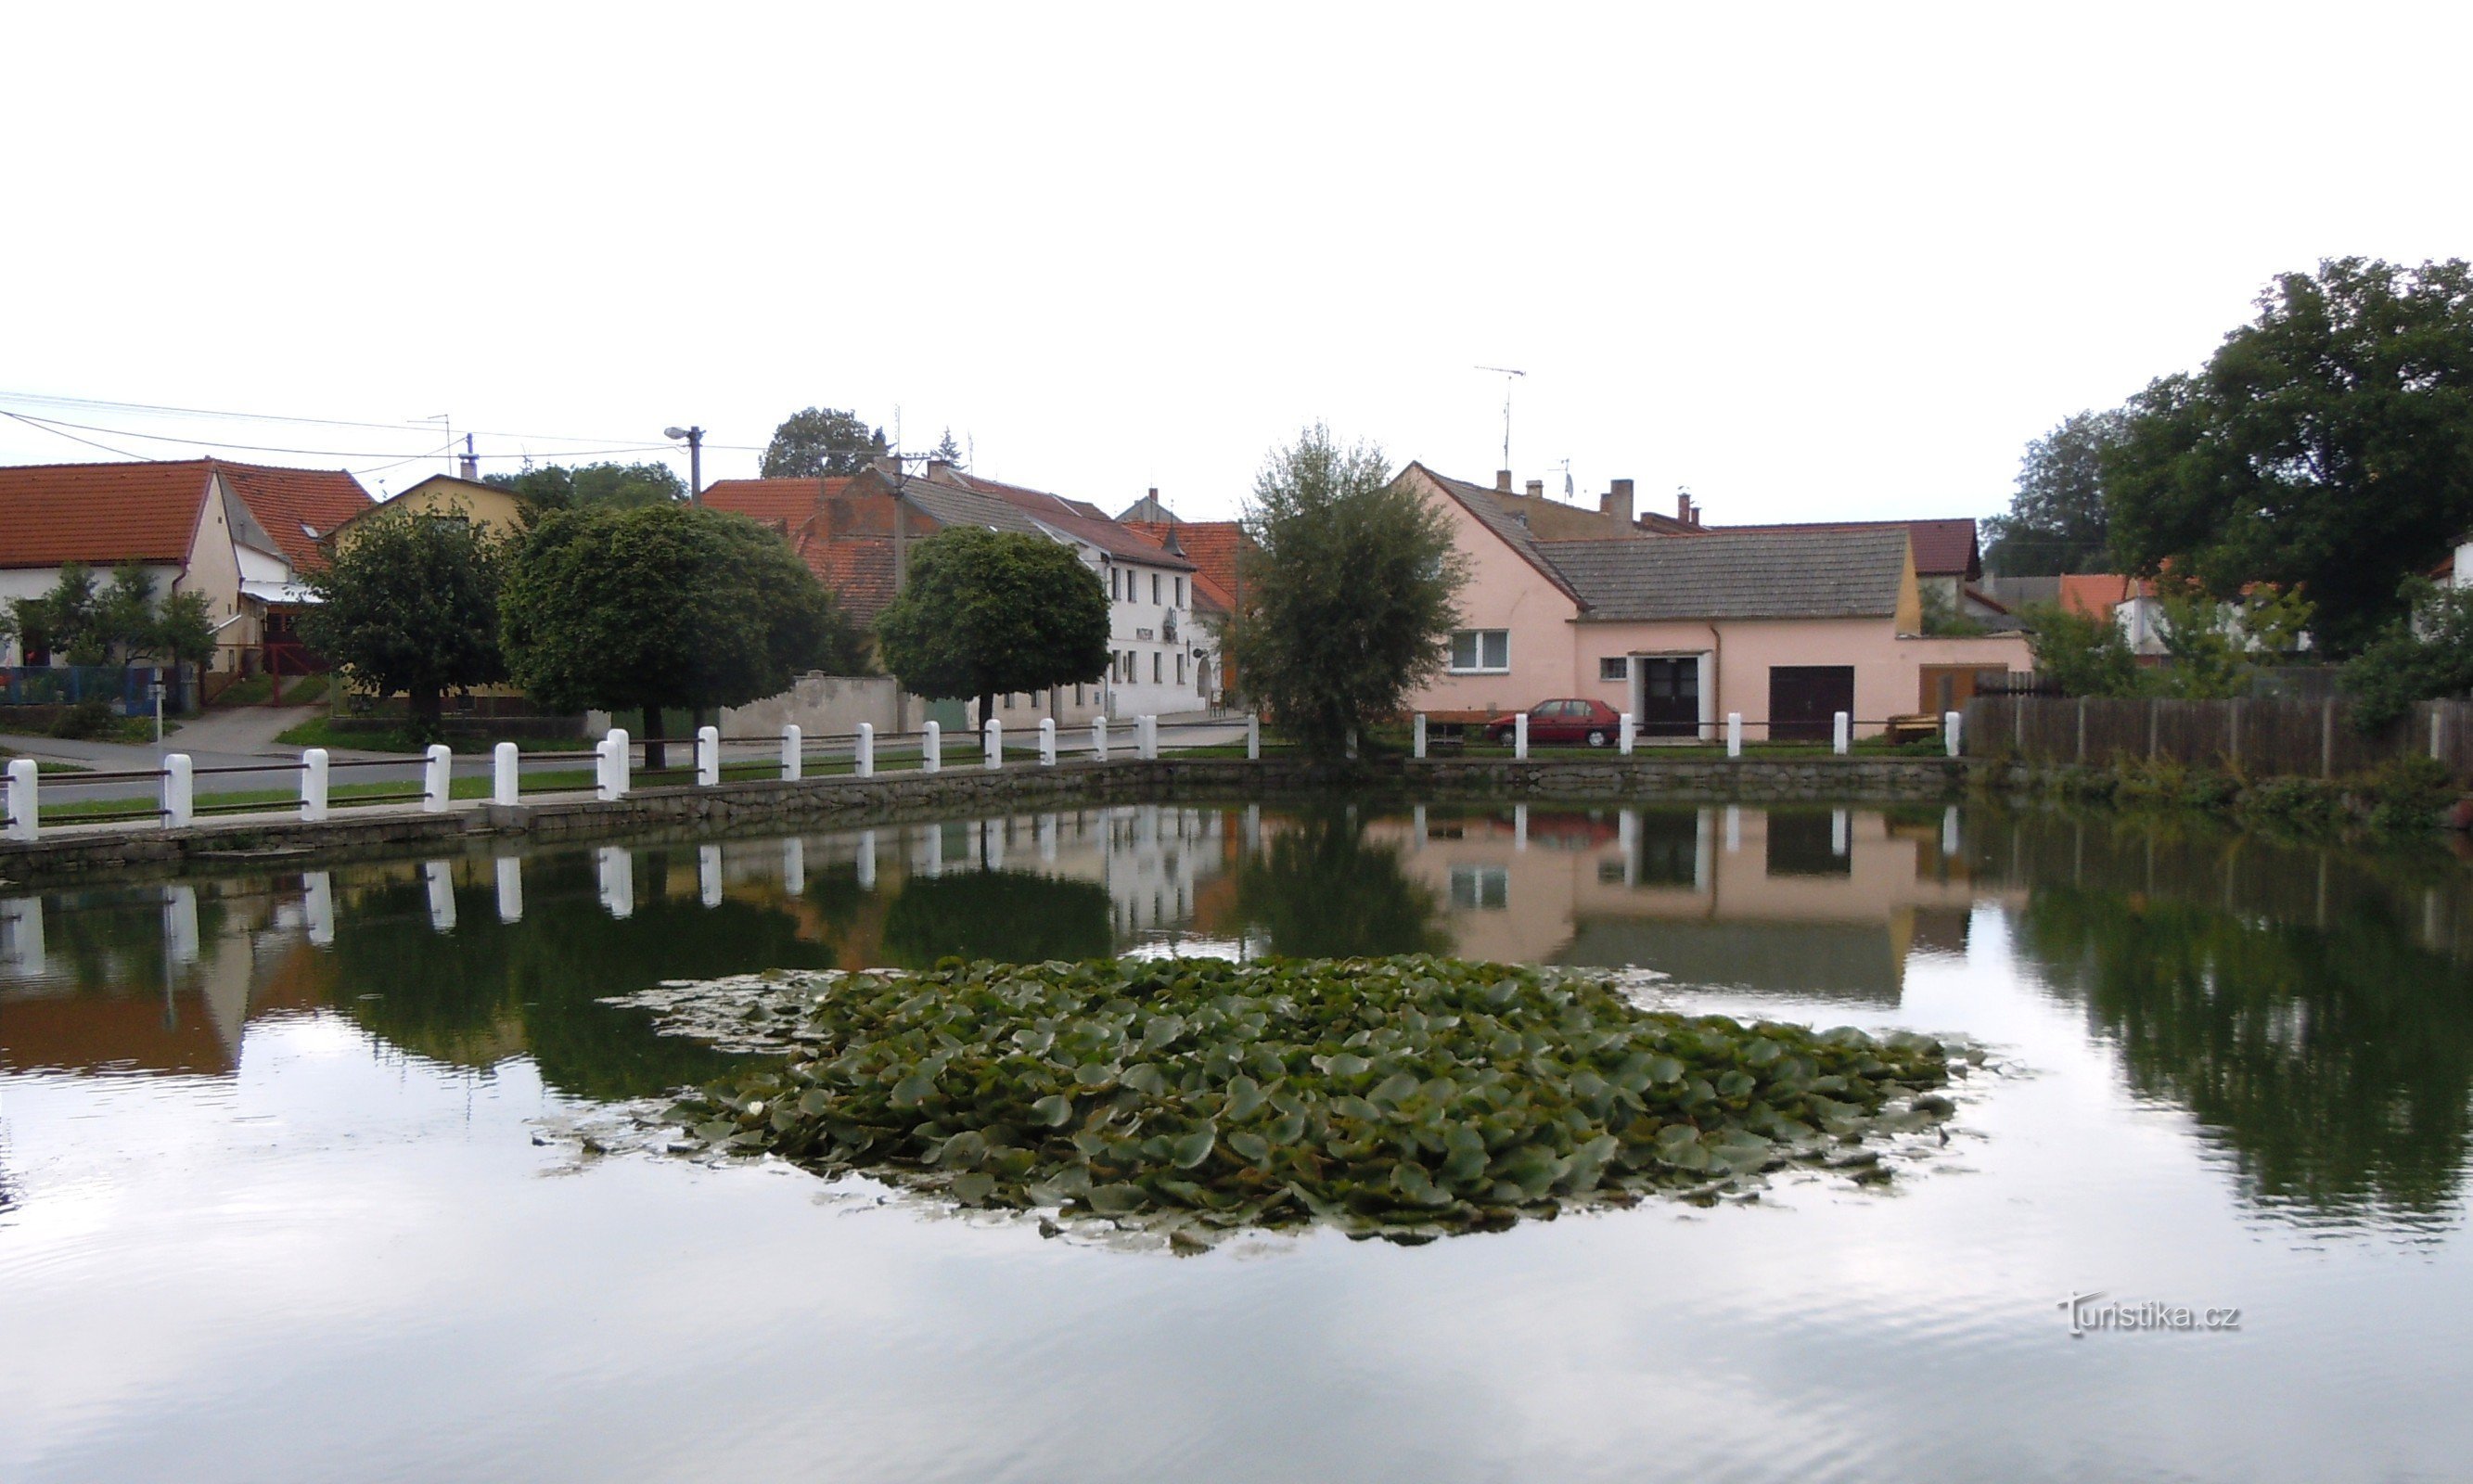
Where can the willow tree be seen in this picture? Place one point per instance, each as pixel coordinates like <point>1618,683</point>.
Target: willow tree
<point>1352,591</point>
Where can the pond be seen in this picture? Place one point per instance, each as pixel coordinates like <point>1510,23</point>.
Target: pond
<point>287,1186</point>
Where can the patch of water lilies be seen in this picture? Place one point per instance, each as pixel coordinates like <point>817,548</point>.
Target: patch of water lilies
<point>1405,1097</point>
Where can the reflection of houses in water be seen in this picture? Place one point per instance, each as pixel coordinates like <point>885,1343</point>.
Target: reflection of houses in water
<point>1803,902</point>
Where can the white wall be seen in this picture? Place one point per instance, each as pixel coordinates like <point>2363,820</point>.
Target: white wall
<point>35,581</point>
<point>1139,626</point>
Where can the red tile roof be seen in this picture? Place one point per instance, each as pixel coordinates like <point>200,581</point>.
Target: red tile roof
<point>1078,518</point>
<point>858,569</point>
<point>1211,546</point>
<point>99,513</point>
<point>2096,594</point>
<point>299,507</point>
<point>783,503</point>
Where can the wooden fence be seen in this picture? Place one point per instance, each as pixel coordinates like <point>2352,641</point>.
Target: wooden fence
<point>2259,737</point>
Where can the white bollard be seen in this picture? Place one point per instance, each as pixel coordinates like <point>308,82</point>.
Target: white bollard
<point>863,756</point>
<point>180,792</point>
<point>1253,738</point>
<point>1419,734</point>
<point>506,778</point>
<point>1099,737</point>
<point>25,810</point>
<point>1734,733</point>
<point>1519,735</point>
<point>1147,738</point>
<point>707,756</point>
<point>601,769</point>
<point>433,779</point>
<point>1949,728</point>
<point>1841,733</point>
<point>995,732</point>
<point>1624,730</point>
<point>612,780</point>
<point>931,748</point>
<point>793,759</point>
<point>1048,741</point>
<point>315,770</point>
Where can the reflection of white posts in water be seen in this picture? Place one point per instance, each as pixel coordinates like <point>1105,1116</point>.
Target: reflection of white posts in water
<point>1253,829</point>
<point>1840,831</point>
<point>1733,828</point>
<point>931,850</point>
<point>318,907</point>
<point>1419,735</point>
<point>1047,839</point>
<point>615,761</point>
<point>794,759</point>
<point>616,868</point>
<point>1949,726</point>
<point>991,844</point>
<point>181,923</point>
<point>707,756</point>
<point>863,759</point>
<point>1519,827</point>
<point>435,769</point>
<point>441,896</point>
<point>1734,733</point>
<point>180,792</point>
<point>314,773</point>
<point>510,889</point>
<point>21,935</point>
<point>794,867</point>
<point>1704,861</point>
<point>1417,827</point>
<point>1099,737</point>
<point>931,748</point>
<point>1519,735</point>
<point>1352,744</point>
<point>25,810</point>
<point>1254,737</point>
<point>1048,741</point>
<point>866,860</point>
<point>1627,841</point>
<point>709,873</point>
<point>1146,825</point>
<point>994,734</point>
<point>1949,841</point>
<point>1842,732</point>
<point>505,783</point>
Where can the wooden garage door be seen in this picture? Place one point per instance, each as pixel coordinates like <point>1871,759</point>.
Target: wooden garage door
<point>1805,699</point>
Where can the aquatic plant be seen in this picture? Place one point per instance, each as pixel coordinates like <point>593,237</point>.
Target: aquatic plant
<point>1404,1097</point>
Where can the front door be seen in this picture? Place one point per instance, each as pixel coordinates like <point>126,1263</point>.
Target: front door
<point>1670,697</point>
<point>1805,699</point>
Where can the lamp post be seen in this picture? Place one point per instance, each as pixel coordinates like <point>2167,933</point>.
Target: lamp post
<point>695,460</point>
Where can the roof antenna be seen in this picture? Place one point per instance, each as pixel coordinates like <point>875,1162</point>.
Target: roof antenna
<point>1506,373</point>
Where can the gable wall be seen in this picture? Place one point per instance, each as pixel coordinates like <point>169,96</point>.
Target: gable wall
<point>1503,591</point>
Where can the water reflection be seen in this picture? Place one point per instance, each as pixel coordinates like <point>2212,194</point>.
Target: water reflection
<point>2312,1009</point>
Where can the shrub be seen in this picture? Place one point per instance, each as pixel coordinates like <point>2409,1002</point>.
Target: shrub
<point>86,721</point>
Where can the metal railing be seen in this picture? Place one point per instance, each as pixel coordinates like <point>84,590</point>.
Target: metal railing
<point>1840,733</point>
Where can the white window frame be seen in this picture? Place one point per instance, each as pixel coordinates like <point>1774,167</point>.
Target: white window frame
<point>1478,640</point>
<point>1614,669</point>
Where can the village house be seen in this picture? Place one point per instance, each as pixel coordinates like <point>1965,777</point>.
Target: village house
<point>1216,548</point>
<point>242,534</point>
<point>487,506</point>
<point>1949,559</point>
<point>1785,626</point>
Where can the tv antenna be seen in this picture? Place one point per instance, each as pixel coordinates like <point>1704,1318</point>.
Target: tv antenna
<point>1507,374</point>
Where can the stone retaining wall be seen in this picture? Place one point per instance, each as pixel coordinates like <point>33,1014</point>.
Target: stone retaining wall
<point>760,807</point>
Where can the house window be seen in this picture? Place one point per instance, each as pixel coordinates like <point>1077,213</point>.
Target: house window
<point>1614,667</point>
<point>1486,888</point>
<point>1154,586</point>
<point>1480,651</point>
<point>1180,669</point>
<point>1112,585</point>
<point>1155,656</point>
<point>1179,592</point>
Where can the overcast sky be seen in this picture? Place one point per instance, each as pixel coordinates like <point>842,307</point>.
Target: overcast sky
<point>1812,262</point>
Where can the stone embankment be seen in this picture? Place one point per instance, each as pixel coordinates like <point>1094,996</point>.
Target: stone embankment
<point>254,841</point>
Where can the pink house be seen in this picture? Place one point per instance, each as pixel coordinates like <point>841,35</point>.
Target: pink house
<point>1784,625</point>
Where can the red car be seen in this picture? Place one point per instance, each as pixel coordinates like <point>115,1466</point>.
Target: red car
<point>1567,720</point>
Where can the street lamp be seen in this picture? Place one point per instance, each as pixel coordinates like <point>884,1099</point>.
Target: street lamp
<point>695,460</point>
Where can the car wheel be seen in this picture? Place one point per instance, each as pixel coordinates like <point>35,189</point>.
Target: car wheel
<point>1596,739</point>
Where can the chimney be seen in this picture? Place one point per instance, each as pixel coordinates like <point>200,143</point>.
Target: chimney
<point>1683,508</point>
<point>1503,481</point>
<point>1537,489</point>
<point>470,465</point>
<point>940,469</point>
<point>889,464</point>
<point>1616,501</point>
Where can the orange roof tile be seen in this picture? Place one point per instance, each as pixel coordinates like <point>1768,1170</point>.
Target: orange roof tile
<point>782,503</point>
<point>99,513</point>
<point>1212,546</point>
<point>858,569</point>
<point>299,507</point>
<point>2096,594</point>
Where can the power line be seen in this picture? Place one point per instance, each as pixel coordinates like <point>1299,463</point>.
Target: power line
<point>55,424</point>
<point>45,399</point>
<point>71,437</point>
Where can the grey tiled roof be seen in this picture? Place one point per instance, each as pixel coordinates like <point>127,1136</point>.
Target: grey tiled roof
<point>1479,501</point>
<point>1842,573</point>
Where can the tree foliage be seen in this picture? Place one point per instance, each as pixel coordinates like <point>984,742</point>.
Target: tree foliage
<point>2081,654</point>
<point>663,606</point>
<point>988,613</point>
<point>1351,590</point>
<point>409,603</point>
<point>116,623</point>
<point>947,450</point>
<point>821,441</point>
<point>621,486</point>
<point>2057,521</point>
<point>2425,657</point>
<point>2326,446</point>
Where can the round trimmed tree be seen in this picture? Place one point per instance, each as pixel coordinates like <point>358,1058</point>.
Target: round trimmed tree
<point>988,613</point>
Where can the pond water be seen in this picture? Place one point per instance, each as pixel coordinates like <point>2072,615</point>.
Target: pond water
<point>285,1191</point>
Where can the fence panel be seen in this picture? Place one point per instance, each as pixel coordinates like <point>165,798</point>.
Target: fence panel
<point>2260,737</point>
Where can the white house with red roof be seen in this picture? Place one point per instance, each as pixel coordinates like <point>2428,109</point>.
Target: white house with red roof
<point>241,534</point>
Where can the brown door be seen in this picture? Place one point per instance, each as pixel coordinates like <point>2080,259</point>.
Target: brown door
<point>1670,697</point>
<point>1805,699</point>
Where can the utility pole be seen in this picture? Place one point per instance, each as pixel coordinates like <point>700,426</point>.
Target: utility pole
<point>695,460</point>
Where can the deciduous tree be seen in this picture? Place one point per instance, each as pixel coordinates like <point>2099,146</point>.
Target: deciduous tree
<point>2056,522</point>
<point>409,603</point>
<point>1350,591</point>
<point>821,441</point>
<point>984,613</point>
<point>622,485</point>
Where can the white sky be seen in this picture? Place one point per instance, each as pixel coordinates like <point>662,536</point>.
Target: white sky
<point>1812,262</point>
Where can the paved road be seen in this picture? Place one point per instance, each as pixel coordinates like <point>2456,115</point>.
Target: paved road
<point>269,765</point>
